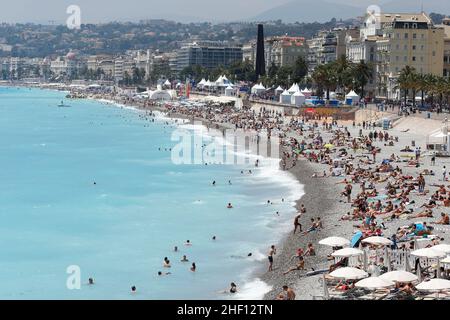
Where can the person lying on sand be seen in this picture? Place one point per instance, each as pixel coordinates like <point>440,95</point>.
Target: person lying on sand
<point>444,220</point>
<point>300,266</point>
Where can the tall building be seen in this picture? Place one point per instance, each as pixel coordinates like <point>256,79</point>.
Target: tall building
<point>446,26</point>
<point>260,67</point>
<point>327,46</point>
<point>407,40</point>
<point>285,50</point>
<point>208,54</point>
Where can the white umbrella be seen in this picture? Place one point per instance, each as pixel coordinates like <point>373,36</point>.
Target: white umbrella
<point>430,253</point>
<point>335,242</point>
<point>442,247</point>
<point>374,283</point>
<point>399,276</point>
<point>434,285</point>
<point>347,252</point>
<point>349,273</point>
<point>446,260</point>
<point>378,241</point>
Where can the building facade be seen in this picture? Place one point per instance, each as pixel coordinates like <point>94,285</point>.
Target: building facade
<point>208,54</point>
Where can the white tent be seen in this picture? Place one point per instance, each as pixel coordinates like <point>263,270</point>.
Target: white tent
<point>347,252</point>
<point>352,98</point>
<point>258,89</point>
<point>378,241</point>
<point>399,276</point>
<point>348,273</point>
<point>279,90</point>
<point>167,83</point>
<point>208,84</point>
<point>201,83</point>
<point>230,91</point>
<point>285,97</point>
<point>374,283</point>
<point>294,88</point>
<point>307,93</point>
<point>298,98</point>
<point>335,242</point>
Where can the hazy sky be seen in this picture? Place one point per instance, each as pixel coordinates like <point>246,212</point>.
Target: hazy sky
<point>92,11</point>
<point>106,10</point>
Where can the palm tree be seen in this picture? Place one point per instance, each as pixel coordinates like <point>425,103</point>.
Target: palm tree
<point>404,80</point>
<point>422,86</point>
<point>341,67</point>
<point>362,73</point>
<point>325,77</point>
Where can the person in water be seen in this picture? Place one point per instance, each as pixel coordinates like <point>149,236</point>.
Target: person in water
<point>184,259</point>
<point>91,281</point>
<point>163,274</point>
<point>166,263</point>
<point>194,267</point>
<point>188,243</point>
<point>133,289</point>
<point>233,287</point>
<point>175,249</point>
<point>230,206</point>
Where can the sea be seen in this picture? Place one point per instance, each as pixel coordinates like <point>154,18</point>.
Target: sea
<point>91,190</point>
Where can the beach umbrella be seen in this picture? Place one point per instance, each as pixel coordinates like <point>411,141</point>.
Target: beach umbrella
<point>399,276</point>
<point>429,253</point>
<point>446,260</point>
<point>334,242</point>
<point>378,241</point>
<point>349,273</point>
<point>347,252</point>
<point>373,283</point>
<point>442,247</point>
<point>434,285</point>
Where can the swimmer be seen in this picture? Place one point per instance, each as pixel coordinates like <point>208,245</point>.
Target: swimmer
<point>194,267</point>
<point>188,243</point>
<point>163,274</point>
<point>175,249</point>
<point>91,281</point>
<point>184,259</point>
<point>230,206</point>
<point>229,182</point>
<point>166,263</point>
<point>214,183</point>
<point>214,238</point>
<point>133,289</point>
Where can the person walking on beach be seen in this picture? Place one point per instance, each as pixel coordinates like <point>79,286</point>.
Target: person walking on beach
<point>444,173</point>
<point>348,192</point>
<point>272,252</point>
<point>297,224</point>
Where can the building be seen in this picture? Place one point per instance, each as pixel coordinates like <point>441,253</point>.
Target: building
<point>249,52</point>
<point>327,46</point>
<point>446,26</point>
<point>285,50</point>
<point>208,54</point>
<point>407,40</point>
<point>64,66</point>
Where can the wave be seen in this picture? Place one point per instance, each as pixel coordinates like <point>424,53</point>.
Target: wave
<point>253,290</point>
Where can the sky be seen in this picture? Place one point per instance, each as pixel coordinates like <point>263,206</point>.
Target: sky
<point>94,11</point>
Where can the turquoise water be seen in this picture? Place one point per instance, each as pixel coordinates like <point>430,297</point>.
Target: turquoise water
<point>119,230</point>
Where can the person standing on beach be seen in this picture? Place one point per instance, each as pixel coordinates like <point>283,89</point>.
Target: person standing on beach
<point>272,252</point>
<point>444,174</point>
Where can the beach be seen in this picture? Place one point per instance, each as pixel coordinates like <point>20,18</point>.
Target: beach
<point>322,195</point>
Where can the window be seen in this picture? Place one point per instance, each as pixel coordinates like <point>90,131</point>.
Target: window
<point>414,35</point>
<point>434,53</point>
<point>405,47</point>
<point>397,46</point>
<point>414,25</point>
<point>405,58</point>
<point>413,58</point>
<point>406,36</point>
<point>397,58</point>
<point>421,59</point>
<point>414,47</point>
<point>422,47</point>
